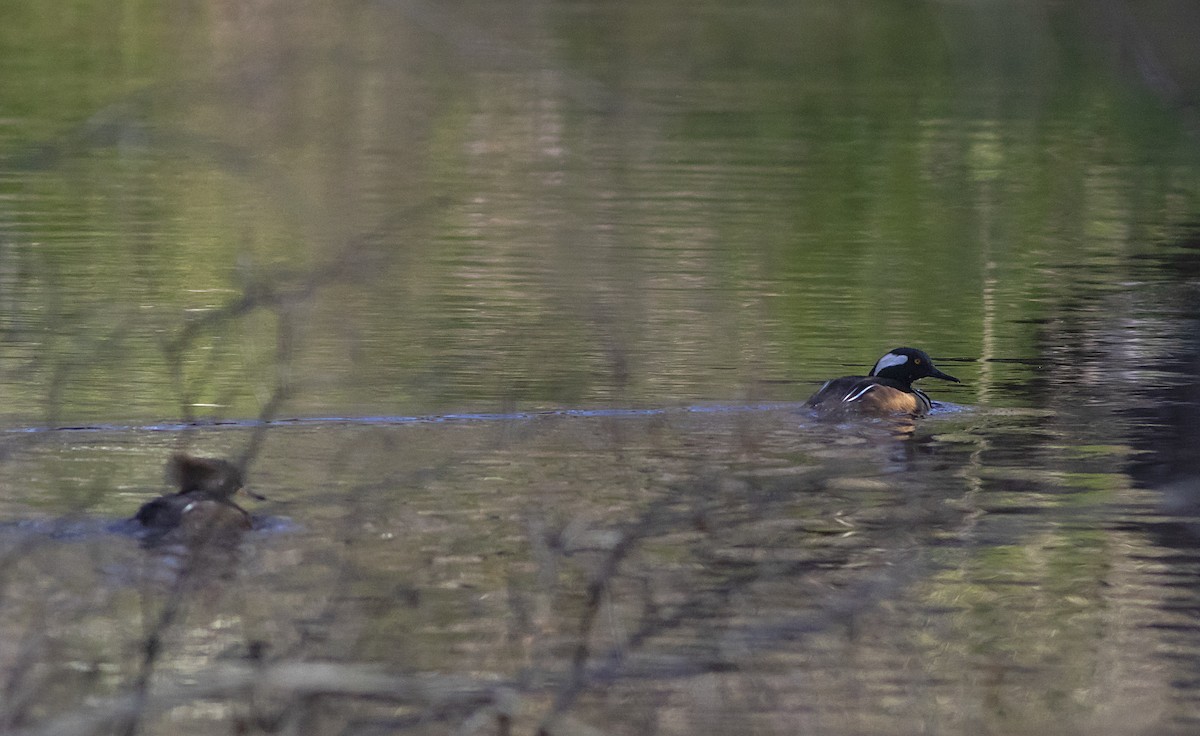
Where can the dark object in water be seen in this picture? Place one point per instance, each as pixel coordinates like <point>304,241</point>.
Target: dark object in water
<point>203,508</point>
<point>888,390</point>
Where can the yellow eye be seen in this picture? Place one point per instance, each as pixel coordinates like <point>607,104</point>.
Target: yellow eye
<point>917,361</point>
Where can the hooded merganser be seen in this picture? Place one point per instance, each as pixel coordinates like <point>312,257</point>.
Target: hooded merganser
<point>203,506</point>
<point>887,390</point>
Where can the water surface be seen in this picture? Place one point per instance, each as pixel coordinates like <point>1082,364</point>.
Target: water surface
<point>512,308</point>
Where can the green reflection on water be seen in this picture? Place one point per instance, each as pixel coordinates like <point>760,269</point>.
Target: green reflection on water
<point>406,209</point>
<point>646,227</point>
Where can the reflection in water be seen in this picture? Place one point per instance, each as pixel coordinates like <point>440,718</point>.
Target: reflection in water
<point>509,308</point>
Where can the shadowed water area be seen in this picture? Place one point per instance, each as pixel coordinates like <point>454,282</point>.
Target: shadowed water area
<point>509,311</point>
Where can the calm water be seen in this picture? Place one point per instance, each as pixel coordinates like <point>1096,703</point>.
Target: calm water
<point>513,308</point>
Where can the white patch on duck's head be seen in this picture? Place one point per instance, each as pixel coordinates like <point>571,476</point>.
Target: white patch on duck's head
<point>888,361</point>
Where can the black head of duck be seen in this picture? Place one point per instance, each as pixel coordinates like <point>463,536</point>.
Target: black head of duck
<point>886,391</point>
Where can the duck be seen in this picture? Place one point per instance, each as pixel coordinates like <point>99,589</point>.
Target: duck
<point>886,391</point>
<point>203,506</point>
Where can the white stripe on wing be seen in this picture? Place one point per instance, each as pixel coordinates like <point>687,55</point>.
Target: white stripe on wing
<point>856,395</point>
